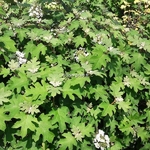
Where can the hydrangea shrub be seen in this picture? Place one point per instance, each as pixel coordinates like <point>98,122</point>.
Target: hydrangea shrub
<point>74,75</point>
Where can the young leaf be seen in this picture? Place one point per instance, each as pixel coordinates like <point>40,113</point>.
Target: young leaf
<point>99,92</point>
<point>3,118</point>
<point>9,43</point>
<point>68,90</point>
<point>79,41</point>
<point>124,105</point>
<point>3,96</point>
<point>60,116</point>
<point>26,122</point>
<point>99,58</point>
<point>108,109</point>
<point>68,142</point>
<point>44,127</point>
<point>18,82</point>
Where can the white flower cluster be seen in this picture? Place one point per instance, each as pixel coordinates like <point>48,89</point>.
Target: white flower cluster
<point>36,11</point>
<point>118,99</point>
<point>20,57</point>
<point>80,51</point>
<point>101,140</point>
<point>56,83</point>
<point>97,39</point>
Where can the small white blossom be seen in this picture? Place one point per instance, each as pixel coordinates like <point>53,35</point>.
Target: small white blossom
<point>101,140</point>
<point>99,42</point>
<point>20,57</point>
<point>33,70</point>
<point>56,83</point>
<point>119,99</point>
<point>20,54</point>
<point>36,11</point>
<point>142,45</point>
<point>22,60</point>
<point>110,49</point>
<point>87,30</point>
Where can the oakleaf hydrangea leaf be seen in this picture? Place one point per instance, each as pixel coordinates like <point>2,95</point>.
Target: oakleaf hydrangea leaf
<point>67,142</point>
<point>3,118</point>
<point>44,129</point>
<point>3,96</point>
<point>9,43</point>
<point>60,116</point>
<point>25,123</point>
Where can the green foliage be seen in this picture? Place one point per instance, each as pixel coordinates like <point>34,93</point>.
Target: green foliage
<point>70,68</point>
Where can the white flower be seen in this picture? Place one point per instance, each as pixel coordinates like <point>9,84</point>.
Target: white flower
<point>107,140</point>
<point>110,49</point>
<point>56,83</point>
<point>119,99</point>
<point>36,11</point>
<point>20,54</point>
<point>33,70</point>
<point>86,54</point>
<point>99,42</point>
<point>142,45</point>
<point>101,140</point>
<point>22,60</point>
<point>97,145</point>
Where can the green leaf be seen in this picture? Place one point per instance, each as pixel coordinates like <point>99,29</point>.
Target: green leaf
<point>54,90</point>
<point>9,43</point>
<point>124,105</point>
<point>2,12</point>
<point>70,91</point>
<point>99,92</point>
<point>18,82</point>
<point>35,50</point>
<point>5,72</point>
<point>3,118</point>
<point>55,42</point>
<point>86,130</point>
<point>44,127</point>
<point>60,116</point>
<point>21,33</point>
<point>127,128</point>
<point>138,60</point>
<point>108,109</point>
<point>142,133</point>
<point>116,90</point>
<point>3,95</point>
<point>67,142</point>
<point>80,80</point>
<point>99,58</point>
<point>28,47</point>
<point>135,83</point>
<point>26,122</point>
<point>85,145</point>
<point>74,25</point>
<point>117,146</point>
<point>13,107</point>
<point>79,41</point>
<point>147,69</point>
<point>148,115</point>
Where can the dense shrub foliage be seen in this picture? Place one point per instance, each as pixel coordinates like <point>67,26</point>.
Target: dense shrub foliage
<point>74,75</point>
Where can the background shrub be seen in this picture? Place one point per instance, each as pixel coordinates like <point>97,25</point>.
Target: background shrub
<point>74,74</point>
